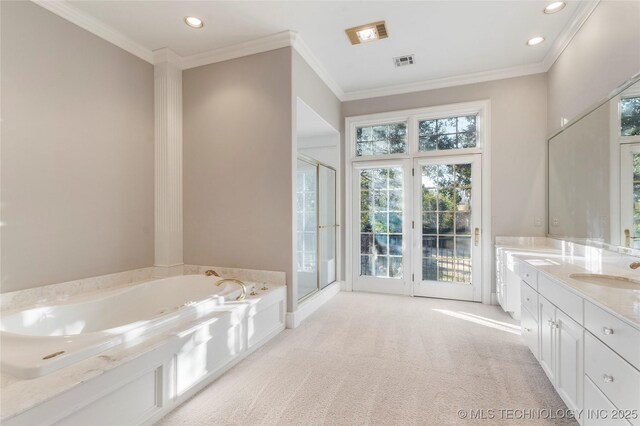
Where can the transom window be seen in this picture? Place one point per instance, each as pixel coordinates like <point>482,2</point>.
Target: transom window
<point>447,133</point>
<point>381,139</point>
<point>630,116</point>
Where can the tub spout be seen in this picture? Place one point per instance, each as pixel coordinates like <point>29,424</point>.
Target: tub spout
<point>243,287</point>
<point>211,272</point>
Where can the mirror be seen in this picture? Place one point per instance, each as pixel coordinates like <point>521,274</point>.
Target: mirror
<point>594,173</point>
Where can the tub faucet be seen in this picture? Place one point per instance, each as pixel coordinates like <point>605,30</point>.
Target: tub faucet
<point>243,287</point>
<point>635,265</point>
<point>211,272</point>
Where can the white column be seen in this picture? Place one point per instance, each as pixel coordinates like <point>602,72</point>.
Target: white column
<point>168,163</point>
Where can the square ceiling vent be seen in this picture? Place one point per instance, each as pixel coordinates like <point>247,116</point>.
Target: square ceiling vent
<point>403,61</point>
<point>367,32</point>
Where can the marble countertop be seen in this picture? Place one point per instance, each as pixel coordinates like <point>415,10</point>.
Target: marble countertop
<point>559,263</point>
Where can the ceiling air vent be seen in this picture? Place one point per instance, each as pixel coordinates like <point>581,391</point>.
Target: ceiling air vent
<point>402,61</point>
<point>367,32</point>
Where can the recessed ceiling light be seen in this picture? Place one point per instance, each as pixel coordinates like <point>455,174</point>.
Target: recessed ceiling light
<point>368,32</point>
<point>194,22</point>
<point>535,40</point>
<point>554,7</point>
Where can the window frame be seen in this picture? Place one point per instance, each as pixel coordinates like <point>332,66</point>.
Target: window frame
<point>618,122</point>
<point>412,117</point>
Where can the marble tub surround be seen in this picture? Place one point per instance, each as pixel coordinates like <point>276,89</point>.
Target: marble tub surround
<point>19,396</point>
<point>62,292</point>
<point>253,275</point>
<point>71,289</point>
<point>559,259</point>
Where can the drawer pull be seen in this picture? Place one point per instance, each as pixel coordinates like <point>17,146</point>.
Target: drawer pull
<point>607,378</point>
<point>528,330</point>
<point>526,275</point>
<point>527,299</point>
<point>607,330</point>
<point>552,324</point>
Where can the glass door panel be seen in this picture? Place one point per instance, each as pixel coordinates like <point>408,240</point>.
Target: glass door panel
<point>381,229</point>
<point>448,213</point>
<point>630,194</point>
<point>328,226</point>
<point>307,228</point>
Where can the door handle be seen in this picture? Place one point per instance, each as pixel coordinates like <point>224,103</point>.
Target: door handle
<point>477,236</point>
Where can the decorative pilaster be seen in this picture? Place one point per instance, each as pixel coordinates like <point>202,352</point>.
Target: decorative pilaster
<point>168,162</point>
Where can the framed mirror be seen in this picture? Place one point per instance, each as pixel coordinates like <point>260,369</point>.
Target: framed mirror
<point>594,173</point>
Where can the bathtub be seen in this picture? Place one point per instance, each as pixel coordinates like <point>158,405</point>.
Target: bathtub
<point>40,340</point>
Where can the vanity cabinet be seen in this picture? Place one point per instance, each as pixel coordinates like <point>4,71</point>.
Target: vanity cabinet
<point>507,283</point>
<point>560,352</point>
<point>569,360</point>
<point>590,356</point>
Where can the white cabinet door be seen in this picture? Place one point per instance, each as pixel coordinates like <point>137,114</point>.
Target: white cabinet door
<point>529,327</point>
<point>547,316</point>
<point>569,360</point>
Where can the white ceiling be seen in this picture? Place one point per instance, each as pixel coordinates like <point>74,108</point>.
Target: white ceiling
<point>448,38</point>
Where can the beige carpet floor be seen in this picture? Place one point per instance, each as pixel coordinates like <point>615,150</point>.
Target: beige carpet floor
<point>370,359</point>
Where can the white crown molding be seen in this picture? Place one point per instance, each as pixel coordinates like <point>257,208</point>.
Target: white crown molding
<point>439,83</point>
<point>263,44</point>
<point>303,49</point>
<point>584,10</point>
<point>165,55</point>
<point>94,26</point>
<point>291,39</point>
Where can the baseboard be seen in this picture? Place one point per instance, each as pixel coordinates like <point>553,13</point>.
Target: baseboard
<point>309,306</point>
<point>346,286</point>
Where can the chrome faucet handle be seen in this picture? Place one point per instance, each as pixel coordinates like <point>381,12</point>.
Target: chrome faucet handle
<point>211,272</point>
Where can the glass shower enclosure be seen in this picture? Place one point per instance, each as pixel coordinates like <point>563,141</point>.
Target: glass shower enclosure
<point>316,226</point>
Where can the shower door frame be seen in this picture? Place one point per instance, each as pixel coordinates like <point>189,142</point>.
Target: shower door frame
<point>317,164</point>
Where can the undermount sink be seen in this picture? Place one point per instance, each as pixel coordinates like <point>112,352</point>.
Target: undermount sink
<point>608,281</point>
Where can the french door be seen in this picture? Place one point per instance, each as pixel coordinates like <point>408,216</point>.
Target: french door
<point>382,231</point>
<point>447,217</point>
<point>417,226</point>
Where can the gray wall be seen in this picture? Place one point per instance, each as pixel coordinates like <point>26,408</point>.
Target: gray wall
<point>518,143</point>
<point>603,54</point>
<point>238,163</point>
<point>77,152</point>
<point>310,88</point>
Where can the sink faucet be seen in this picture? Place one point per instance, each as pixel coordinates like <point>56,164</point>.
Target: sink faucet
<point>634,265</point>
<point>243,287</point>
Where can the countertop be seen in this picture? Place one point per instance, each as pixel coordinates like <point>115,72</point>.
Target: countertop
<point>558,261</point>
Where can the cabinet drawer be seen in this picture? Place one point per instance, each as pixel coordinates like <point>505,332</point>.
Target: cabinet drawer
<point>616,378</point>
<point>597,408</point>
<point>527,273</point>
<point>529,326</point>
<point>568,302</point>
<point>529,299</point>
<point>618,335</point>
